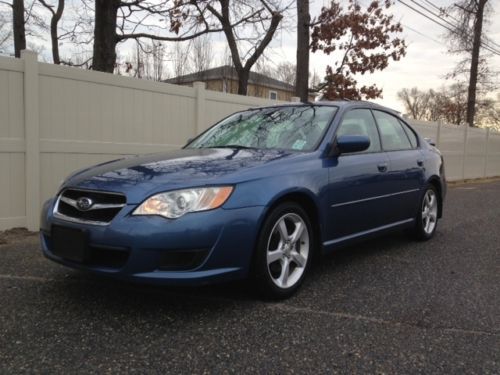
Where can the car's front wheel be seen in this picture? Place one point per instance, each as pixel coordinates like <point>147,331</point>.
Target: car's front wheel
<point>284,251</point>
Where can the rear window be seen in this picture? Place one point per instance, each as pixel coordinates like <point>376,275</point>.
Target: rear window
<point>391,132</point>
<point>411,134</point>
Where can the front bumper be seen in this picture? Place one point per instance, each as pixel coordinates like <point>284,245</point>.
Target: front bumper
<point>226,236</point>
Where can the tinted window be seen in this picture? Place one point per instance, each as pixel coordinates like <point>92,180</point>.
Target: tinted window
<point>360,122</point>
<point>392,133</point>
<point>290,128</point>
<point>411,135</point>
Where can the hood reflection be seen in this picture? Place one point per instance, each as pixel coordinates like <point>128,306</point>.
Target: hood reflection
<point>180,165</point>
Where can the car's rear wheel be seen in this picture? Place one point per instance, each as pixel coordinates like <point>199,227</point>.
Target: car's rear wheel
<point>284,251</point>
<point>427,218</point>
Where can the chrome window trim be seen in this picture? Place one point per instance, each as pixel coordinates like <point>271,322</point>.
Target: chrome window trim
<point>373,198</point>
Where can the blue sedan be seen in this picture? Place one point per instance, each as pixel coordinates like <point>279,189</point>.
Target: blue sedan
<point>258,195</point>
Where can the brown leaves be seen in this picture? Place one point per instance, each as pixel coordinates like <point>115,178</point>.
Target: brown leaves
<point>367,39</point>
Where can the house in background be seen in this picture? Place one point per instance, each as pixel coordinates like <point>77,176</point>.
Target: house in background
<point>225,79</point>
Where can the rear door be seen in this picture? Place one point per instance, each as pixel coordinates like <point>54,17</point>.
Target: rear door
<point>406,171</point>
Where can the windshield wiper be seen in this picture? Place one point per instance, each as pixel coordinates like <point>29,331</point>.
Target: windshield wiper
<point>238,147</point>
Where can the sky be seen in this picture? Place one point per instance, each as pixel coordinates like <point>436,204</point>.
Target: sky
<point>427,60</point>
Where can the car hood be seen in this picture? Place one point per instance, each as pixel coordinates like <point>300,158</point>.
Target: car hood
<point>141,176</point>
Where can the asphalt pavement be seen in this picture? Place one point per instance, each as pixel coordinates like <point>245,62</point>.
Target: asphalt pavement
<point>391,305</point>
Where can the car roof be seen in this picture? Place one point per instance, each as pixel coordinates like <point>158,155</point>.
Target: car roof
<point>343,104</point>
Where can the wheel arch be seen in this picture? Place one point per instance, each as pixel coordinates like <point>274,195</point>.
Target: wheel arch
<point>435,181</point>
<point>307,201</point>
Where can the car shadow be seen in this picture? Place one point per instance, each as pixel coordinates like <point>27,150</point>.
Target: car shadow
<point>80,287</point>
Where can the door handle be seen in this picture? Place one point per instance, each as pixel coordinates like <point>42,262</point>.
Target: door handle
<point>382,167</point>
<point>420,162</point>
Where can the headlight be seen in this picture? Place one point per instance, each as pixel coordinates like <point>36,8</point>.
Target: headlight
<point>174,204</point>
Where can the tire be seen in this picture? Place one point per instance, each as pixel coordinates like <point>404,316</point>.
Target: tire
<point>427,216</point>
<point>284,251</point>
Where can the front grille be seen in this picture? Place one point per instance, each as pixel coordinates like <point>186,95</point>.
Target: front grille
<point>101,207</point>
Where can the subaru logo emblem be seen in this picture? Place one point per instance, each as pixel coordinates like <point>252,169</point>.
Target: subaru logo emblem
<point>84,203</point>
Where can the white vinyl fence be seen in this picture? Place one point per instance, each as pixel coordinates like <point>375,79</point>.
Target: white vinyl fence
<point>56,119</point>
<point>468,152</point>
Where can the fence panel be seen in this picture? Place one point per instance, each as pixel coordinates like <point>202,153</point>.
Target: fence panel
<point>54,120</point>
<point>425,129</point>
<point>12,145</point>
<point>84,120</point>
<point>475,153</point>
<point>493,162</point>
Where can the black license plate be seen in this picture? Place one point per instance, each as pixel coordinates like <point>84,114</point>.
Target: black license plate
<point>69,243</point>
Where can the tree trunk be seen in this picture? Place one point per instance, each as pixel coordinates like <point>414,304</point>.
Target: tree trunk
<point>302,69</point>
<point>478,29</point>
<point>243,76</point>
<point>53,32</point>
<point>18,25</point>
<point>105,39</point>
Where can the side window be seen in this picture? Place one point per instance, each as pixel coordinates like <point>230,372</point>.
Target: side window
<point>392,133</point>
<point>411,135</point>
<point>360,122</point>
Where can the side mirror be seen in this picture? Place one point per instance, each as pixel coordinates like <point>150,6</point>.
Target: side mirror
<point>351,143</point>
<point>430,141</point>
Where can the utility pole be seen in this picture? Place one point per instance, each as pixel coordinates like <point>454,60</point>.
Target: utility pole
<point>302,68</point>
<point>478,29</point>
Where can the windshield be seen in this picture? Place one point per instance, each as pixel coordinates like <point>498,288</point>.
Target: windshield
<point>298,128</point>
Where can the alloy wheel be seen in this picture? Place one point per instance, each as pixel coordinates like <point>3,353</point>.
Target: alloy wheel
<point>429,211</point>
<point>288,250</point>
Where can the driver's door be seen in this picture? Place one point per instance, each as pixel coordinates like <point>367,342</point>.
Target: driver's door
<point>358,182</point>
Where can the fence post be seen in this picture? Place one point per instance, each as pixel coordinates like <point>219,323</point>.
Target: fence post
<point>486,152</point>
<point>200,106</point>
<point>438,133</point>
<point>32,137</point>
<point>464,158</point>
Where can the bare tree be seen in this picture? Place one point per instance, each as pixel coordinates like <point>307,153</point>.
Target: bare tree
<point>416,102</point>
<point>157,63</point>
<point>180,59</point>
<point>489,113</point>
<point>225,58</point>
<point>263,70</point>
<point>447,104</point>
<point>315,80</point>
<point>29,26</point>
<point>286,72</point>
<point>120,20</point>
<point>5,31</point>
<point>201,56</point>
<point>56,13</point>
<point>264,18</point>
<point>146,62</point>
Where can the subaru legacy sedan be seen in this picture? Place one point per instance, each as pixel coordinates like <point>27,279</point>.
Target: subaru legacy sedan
<point>258,195</point>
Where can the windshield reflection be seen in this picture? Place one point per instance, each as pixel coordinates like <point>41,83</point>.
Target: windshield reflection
<point>298,128</point>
